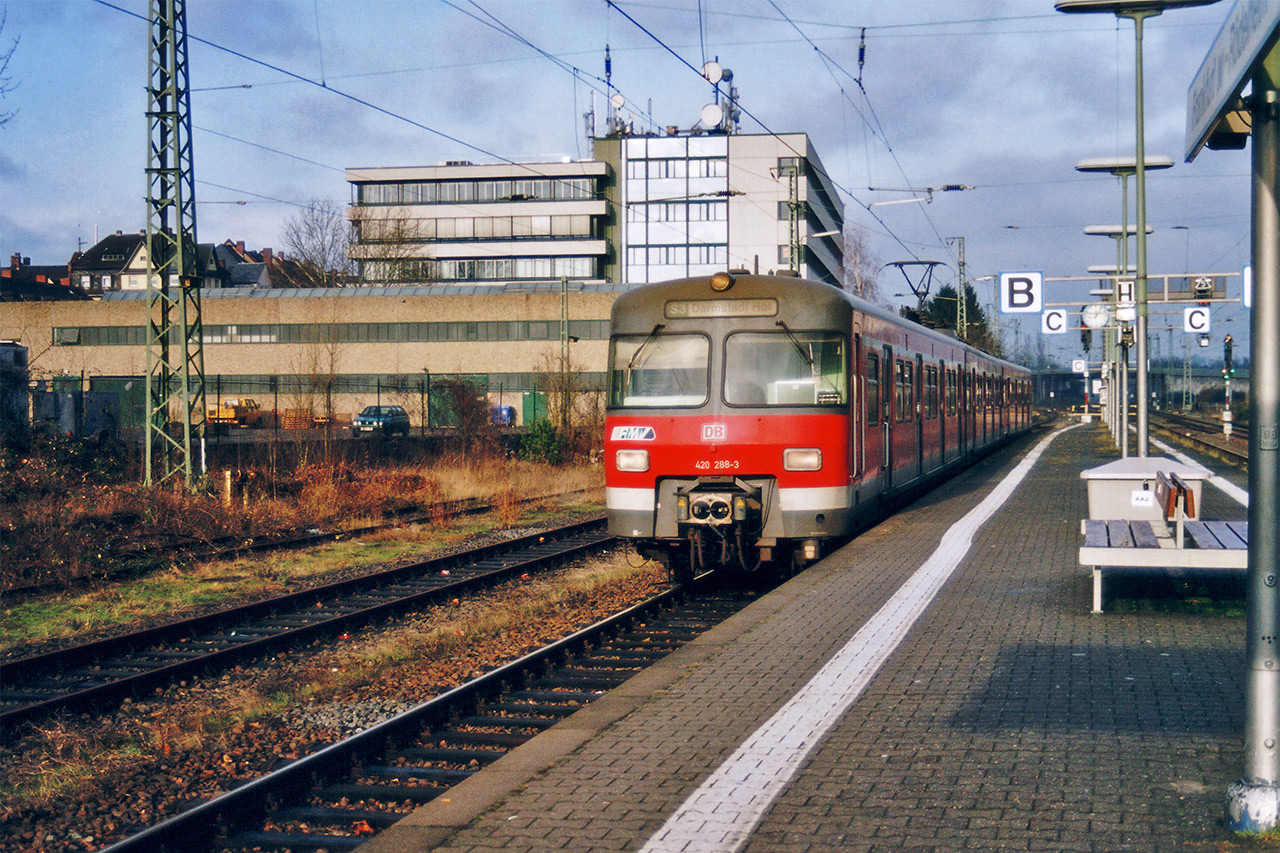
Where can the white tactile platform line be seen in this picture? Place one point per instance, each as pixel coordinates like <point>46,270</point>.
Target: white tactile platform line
<point>719,816</point>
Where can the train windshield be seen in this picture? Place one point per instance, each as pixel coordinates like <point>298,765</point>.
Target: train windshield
<point>659,370</point>
<point>785,368</point>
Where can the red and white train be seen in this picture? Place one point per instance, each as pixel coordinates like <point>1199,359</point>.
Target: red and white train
<point>751,418</point>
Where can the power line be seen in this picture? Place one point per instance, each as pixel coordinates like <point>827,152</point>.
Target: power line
<point>348,96</point>
<point>613,5</point>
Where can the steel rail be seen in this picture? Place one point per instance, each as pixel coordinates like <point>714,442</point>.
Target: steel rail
<point>315,608</point>
<point>251,803</point>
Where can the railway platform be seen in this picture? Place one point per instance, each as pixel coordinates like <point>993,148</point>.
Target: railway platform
<point>905,694</point>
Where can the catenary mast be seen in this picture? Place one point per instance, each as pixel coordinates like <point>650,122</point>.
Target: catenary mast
<point>175,355</point>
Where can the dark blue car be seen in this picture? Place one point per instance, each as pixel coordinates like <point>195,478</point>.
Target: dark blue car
<point>381,420</point>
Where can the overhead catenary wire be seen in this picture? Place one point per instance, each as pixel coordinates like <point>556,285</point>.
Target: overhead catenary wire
<point>829,61</point>
<point>841,188</point>
<point>302,78</point>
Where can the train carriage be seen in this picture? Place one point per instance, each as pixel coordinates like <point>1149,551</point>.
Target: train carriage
<point>752,418</point>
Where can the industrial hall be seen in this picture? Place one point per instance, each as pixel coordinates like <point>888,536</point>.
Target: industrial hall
<point>497,273</point>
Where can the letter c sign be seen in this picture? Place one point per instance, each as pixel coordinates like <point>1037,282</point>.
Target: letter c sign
<point>1053,321</point>
<point>1195,320</point>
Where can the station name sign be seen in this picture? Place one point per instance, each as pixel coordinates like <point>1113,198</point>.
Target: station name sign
<point>1247,32</point>
<point>694,309</point>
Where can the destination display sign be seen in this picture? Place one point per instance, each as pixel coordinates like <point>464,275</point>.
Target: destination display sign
<point>1250,29</point>
<point>695,309</point>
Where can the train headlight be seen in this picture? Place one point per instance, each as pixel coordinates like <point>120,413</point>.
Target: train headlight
<point>632,460</point>
<point>721,281</point>
<point>682,507</point>
<point>802,459</point>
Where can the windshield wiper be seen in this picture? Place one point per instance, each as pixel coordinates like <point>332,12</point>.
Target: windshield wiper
<point>658,327</point>
<point>808,359</point>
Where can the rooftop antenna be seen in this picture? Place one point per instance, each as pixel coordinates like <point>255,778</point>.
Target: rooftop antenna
<point>717,116</point>
<point>613,124</point>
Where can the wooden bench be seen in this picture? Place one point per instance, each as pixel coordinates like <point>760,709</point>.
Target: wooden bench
<point>1150,547</point>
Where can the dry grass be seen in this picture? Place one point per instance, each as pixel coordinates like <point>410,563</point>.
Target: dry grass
<point>446,642</point>
<point>59,528</point>
<point>70,537</point>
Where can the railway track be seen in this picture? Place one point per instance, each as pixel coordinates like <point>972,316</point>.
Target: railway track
<point>107,670</point>
<point>144,559</point>
<point>1206,436</point>
<point>338,797</point>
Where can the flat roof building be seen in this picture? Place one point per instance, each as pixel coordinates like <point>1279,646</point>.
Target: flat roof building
<point>695,204</point>
<point>494,223</point>
<point>648,208</point>
<point>492,272</point>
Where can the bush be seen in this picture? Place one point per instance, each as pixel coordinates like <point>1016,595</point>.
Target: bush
<point>543,443</point>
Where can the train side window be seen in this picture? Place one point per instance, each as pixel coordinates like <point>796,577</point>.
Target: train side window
<point>873,389</point>
<point>930,392</point>
<point>905,393</point>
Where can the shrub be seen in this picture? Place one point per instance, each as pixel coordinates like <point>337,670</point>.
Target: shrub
<point>543,443</point>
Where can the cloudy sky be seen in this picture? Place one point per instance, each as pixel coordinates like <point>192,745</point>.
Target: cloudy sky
<point>1003,96</point>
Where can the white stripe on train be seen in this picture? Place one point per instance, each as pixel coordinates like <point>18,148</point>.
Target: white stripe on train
<point>791,500</point>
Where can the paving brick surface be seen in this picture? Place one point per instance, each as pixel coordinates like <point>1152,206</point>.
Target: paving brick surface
<point>1011,718</point>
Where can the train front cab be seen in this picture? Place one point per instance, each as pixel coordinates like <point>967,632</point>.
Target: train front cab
<point>728,440</point>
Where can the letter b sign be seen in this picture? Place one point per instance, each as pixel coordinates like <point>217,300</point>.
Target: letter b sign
<point>1021,292</point>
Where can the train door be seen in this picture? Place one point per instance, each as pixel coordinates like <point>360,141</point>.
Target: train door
<point>857,441</point>
<point>988,409</point>
<point>888,415</point>
<point>906,428</point>
<point>946,413</point>
<point>921,389</point>
<point>980,409</point>
<point>1006,404</point>
<point>871,419</point>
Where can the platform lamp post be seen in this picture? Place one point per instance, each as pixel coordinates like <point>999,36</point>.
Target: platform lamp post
<point>1106,322</point>
<point>1121,233</point>
<point>1123,167</point>
<point>1138,11</point>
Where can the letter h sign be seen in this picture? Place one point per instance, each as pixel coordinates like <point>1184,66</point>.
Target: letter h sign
<point>1021,292</point>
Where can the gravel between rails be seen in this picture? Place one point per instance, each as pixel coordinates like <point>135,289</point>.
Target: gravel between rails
<point>153,757</point>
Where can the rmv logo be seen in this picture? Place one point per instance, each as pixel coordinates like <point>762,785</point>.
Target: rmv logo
<point>714,432</point>
<point>633,433</point>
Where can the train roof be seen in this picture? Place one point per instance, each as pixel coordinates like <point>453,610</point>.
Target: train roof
<point>812,290</point>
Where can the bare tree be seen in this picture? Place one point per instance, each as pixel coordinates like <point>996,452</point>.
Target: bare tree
<point>388,245</point>
<point>860,266</point>
<point>6,83</point>
<point>318,238</point>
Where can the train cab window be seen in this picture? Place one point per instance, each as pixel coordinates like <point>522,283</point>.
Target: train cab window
<point>873,389</point>
<point>659,370</point>
<point>785,368</point>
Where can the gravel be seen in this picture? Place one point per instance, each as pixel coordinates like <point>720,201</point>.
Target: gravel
<point>154,757</point>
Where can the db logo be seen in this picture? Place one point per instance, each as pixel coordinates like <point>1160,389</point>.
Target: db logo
<point>714,432</point>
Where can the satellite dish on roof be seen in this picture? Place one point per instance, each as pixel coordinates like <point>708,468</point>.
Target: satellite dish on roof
<point>713,72</point>
<point>617,100</point>
<point>712,115</point>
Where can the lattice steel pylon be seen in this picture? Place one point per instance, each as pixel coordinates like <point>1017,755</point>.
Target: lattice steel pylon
<point>175,353</point>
